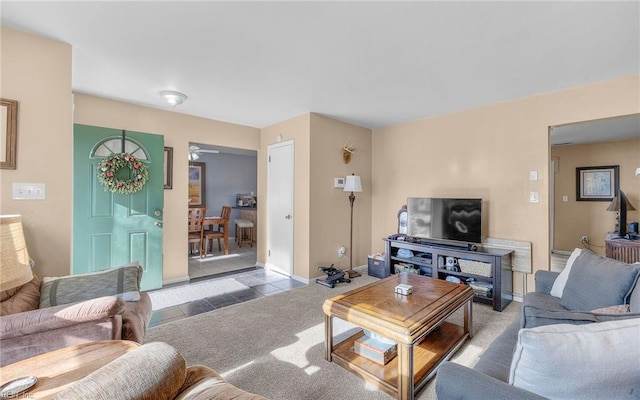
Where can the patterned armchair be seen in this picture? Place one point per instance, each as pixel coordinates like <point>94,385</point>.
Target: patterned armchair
<point>46,315</point>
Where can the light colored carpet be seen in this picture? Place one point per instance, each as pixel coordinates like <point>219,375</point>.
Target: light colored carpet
<point>274,346</point>
<point>183,294</point>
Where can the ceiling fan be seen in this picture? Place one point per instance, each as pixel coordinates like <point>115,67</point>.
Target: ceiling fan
<point>194,152</point>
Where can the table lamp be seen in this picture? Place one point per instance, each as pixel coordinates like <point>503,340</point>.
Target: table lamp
<point>352,185</point>
<point>15,269</point>
<point>620,204</point>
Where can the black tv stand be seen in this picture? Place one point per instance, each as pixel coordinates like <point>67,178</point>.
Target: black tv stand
<point>428,258</point>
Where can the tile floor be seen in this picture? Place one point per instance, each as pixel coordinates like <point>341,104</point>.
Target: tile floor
<point>238,265</point>
<point>239,258</point>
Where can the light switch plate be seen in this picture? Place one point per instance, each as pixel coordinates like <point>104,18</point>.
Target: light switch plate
<point>565,198</point>
<point>29,191</point>
<point>533,175</point>
<point>338,182</point>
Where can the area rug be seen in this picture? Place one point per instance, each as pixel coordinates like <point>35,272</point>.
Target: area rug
<point>274,346</point>
<point>183,294</point>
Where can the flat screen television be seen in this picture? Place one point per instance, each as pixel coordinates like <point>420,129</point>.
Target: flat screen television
<point>452,221</point>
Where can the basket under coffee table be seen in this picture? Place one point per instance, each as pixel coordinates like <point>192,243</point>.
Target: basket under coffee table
<point>416,322</point>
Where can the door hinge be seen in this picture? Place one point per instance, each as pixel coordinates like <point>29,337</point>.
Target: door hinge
<point>269,158</point>
<point>269,253</point>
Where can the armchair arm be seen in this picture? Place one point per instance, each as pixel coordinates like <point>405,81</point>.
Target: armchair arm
<point>46,319</point>
<point>544,281</point>
<point>457,382</point>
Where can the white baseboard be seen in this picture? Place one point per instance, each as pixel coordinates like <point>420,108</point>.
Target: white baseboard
<point>175,280</point>
<point>517,297</point>
<point>301,279</point>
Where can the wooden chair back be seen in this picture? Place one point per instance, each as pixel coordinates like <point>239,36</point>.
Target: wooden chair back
<point>196,225</point>
<point>196,218</point>
<point>225,214</point>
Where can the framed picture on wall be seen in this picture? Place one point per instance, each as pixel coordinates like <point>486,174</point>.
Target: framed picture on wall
<point>8,133</point>
<point>597,183</point>
<point>196,184</point>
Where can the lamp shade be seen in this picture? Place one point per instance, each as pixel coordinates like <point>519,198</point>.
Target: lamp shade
<point>15,269</point>
<point>353,184</point>
<point>615,205</point>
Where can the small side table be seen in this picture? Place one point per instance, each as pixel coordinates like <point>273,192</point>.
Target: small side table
<point>58,369</point>
<point>624,250</point>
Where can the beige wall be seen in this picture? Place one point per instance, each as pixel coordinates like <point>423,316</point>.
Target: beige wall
<point>321,212</point>
<point>573,219</point>
<point>330,209</point>
<point>37,73</point>
<point>297,130</point>
<point>488,152</point>
<point>178,130</point>
<point>485,152</point>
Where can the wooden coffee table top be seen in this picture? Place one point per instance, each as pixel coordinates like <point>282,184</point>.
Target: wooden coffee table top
<point>58,369</point>
<point>401,318</point>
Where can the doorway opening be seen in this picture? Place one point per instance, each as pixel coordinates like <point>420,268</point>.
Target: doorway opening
<point>574,146</point>
<point>223,177</point>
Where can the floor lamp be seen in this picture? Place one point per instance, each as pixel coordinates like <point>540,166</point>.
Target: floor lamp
<point>352,185</point>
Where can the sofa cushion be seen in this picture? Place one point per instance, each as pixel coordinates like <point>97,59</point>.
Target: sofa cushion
<point>561,280</point>
<point>21,299</point>
<point>591,361</point>
<point>152,371</point>
<point>634,298</point>
<point>123,281</point>
<point>496,360</point>
<point>595,281</point>
<point>533,317</point>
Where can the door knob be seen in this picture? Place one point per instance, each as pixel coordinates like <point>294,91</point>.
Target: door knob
<point>288,216</point>
<point>157,213</point>
<point>158,224</point>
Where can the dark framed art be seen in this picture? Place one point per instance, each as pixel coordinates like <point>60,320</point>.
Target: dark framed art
<point>168,167</point>
<point>599,183</point>
<point>8,133</point>
<point>196,184</point>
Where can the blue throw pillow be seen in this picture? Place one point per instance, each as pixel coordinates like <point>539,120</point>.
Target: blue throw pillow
<point>596,282</point>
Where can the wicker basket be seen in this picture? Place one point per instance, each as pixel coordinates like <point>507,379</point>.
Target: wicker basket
<point>475,267</point>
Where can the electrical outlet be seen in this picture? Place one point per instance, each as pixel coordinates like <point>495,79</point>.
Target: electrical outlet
<point>585,239</point>
<point>342,251</point>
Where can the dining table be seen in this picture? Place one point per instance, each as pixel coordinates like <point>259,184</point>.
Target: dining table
<point>212,221</point>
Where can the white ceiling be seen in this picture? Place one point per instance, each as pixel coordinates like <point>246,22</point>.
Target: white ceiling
<point>618,128</point>
<point>373,64</point>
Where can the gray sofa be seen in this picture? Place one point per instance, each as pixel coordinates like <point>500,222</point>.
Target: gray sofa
<point>490,377</point>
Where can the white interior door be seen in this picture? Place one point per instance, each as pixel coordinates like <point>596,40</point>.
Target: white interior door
<point>280,208</point>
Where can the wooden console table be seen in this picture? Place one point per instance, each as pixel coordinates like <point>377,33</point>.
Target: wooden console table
<point>624,250</point>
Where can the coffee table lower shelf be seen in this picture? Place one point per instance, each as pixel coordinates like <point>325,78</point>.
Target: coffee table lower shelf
<point>438,346</point>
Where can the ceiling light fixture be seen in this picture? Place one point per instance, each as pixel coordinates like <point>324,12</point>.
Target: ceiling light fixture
<point>173,98</point>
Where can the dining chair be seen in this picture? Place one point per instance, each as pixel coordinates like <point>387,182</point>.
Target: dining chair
<point>217,231</point>
<point>196,224</point>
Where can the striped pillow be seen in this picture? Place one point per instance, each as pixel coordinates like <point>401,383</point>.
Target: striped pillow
<point>123,281</point>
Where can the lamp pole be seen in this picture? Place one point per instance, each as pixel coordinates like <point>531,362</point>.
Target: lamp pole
<point>351,273</point>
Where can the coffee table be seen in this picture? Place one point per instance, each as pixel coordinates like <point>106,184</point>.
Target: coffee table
<point>416,322</point>
<point>58,369</point>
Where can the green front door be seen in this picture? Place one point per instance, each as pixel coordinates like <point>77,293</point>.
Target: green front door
<point>111,229</point>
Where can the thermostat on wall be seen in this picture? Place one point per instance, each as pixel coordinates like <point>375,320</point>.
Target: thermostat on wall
<point>338,182</point>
